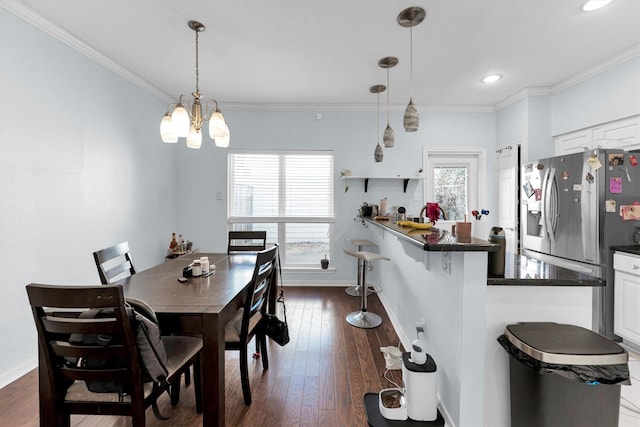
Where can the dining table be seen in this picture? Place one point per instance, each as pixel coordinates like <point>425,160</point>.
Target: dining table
<point>200,306</point>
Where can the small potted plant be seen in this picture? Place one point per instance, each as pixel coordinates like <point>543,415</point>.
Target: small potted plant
<point>324,262</point>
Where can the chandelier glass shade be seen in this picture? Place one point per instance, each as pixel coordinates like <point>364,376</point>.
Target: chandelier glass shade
<point>388,137</point>
<point>411,17</point>
<point>187,122</point>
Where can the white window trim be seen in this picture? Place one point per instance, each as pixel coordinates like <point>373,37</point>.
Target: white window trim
<point>478,153</point>
<point>291,219</point>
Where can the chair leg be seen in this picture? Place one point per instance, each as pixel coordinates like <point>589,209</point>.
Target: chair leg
<point>187,377</point>
<point>197,385</point>
<point>244,375</point>
<point>175,392</point>
<point>262,339</point>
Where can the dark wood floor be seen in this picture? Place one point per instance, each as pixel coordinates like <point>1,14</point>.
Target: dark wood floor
<point>318,379</point>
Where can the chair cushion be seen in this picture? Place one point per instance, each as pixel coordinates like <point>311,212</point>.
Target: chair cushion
<point>179,350</point>
<point>232,328</point>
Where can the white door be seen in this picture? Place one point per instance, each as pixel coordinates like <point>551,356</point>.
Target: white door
<point>507,193</point>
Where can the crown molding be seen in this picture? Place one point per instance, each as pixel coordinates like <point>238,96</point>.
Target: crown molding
<point>29,15</point>
<point>620,58</point>
<point>524,93</point>
<point>355,108</point>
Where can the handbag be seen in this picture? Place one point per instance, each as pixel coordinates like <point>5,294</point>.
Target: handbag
<point>276,329</point>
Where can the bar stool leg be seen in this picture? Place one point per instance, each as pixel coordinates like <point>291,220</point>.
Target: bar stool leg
<point>356,291</point>
<point>364,319</point>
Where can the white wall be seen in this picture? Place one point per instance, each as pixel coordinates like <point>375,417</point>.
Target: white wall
<point>612,95</point>
<point>81,167</point>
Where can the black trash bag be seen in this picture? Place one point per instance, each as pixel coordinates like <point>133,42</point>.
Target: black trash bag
<point>588,374</point>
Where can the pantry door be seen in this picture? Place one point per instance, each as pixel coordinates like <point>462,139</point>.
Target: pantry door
<point>507,167</point>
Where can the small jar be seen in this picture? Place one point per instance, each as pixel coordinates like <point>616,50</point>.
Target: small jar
<point>204,263</point>
<point>196,268</point>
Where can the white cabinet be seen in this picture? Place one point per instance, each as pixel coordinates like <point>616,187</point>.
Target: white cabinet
<point>626,322</point>
<point>623,133</point>
<point>574,142</point>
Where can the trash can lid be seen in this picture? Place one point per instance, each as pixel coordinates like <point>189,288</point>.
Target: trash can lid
<point>564,344</point>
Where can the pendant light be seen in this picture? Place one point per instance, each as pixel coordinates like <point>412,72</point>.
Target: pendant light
<point>178,121</point>
<point>388,138</point>
<point>411,17</point>
<point>377,154</point>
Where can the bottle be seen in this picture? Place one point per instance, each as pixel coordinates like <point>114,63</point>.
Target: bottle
<point>180,243</point>
<point>196,268</point>
<point>174,244</point>
<point>204,263</point>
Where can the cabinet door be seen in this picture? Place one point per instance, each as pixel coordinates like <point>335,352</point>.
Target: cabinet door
<point>627,307</point>
<point>624,134</point>
<point>574,142</point>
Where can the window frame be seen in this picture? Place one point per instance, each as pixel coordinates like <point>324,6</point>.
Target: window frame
<point>473,158</point>
<point>282,221</point>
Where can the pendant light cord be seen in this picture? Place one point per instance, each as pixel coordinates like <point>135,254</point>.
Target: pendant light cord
<point>378,118</point>
<point>411,61</point>
<point>197,68</point>
<point>388,96</point>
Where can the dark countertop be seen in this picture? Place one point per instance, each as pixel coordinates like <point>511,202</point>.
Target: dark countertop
<point>524,271</point>
<point>435,239</point>
<point>519,269</point>
<point>630,249</point>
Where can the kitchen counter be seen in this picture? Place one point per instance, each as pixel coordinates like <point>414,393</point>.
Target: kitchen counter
<point>524,271</point>
<point>630,249</point>
<point>519,269</point>
<point>435,239</point>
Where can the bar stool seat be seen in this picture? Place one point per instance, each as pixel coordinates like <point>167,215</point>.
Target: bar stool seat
<point>355,291</point>
<point>363,318</point>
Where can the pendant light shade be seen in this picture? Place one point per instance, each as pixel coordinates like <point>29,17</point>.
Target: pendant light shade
<point>411,118</point>
<point>378,154</point>
<point>411,17</point>
<point>388,137</point>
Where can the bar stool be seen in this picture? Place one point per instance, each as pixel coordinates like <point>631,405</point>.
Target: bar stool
<point>354,291</point>
<point>363,318</point>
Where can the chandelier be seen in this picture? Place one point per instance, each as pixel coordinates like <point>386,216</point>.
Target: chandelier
<point>179,122</point>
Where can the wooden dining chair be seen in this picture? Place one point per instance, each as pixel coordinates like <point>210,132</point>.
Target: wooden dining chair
<point>247,322</point>
<point>114,263</point>
<point>246,241</point>
<point>73,365</point>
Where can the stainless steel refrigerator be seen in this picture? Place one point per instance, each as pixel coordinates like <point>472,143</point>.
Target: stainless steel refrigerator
<point>574,208</point>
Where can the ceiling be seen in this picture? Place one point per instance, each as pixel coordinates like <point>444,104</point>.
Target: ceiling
<point>325,52</point>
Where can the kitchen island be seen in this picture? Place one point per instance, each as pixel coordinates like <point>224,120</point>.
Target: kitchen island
<point>436,277</point>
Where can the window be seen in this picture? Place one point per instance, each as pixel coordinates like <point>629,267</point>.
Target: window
<point>454,180</point>
<point>289,194</point>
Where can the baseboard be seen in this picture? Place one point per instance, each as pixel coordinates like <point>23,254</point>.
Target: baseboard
<point>17,372</point>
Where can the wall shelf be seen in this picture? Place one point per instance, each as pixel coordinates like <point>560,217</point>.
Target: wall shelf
<point>405,180</point>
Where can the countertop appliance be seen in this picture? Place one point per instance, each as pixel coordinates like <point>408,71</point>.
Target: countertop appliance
<point>574,208</point>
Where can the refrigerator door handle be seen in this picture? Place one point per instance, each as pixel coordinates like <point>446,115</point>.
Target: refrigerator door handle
<point>550,204</point>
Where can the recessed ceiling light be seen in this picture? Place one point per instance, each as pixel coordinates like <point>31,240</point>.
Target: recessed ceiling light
<point>595,4</point>
<point>491,78</point>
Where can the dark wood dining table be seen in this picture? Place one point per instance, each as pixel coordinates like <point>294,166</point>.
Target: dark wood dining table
<point>201,306</point>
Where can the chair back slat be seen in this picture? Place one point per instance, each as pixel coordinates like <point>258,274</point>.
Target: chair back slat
<point>114,263</point>
<point>246,241</point>
<point>64,325</point>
